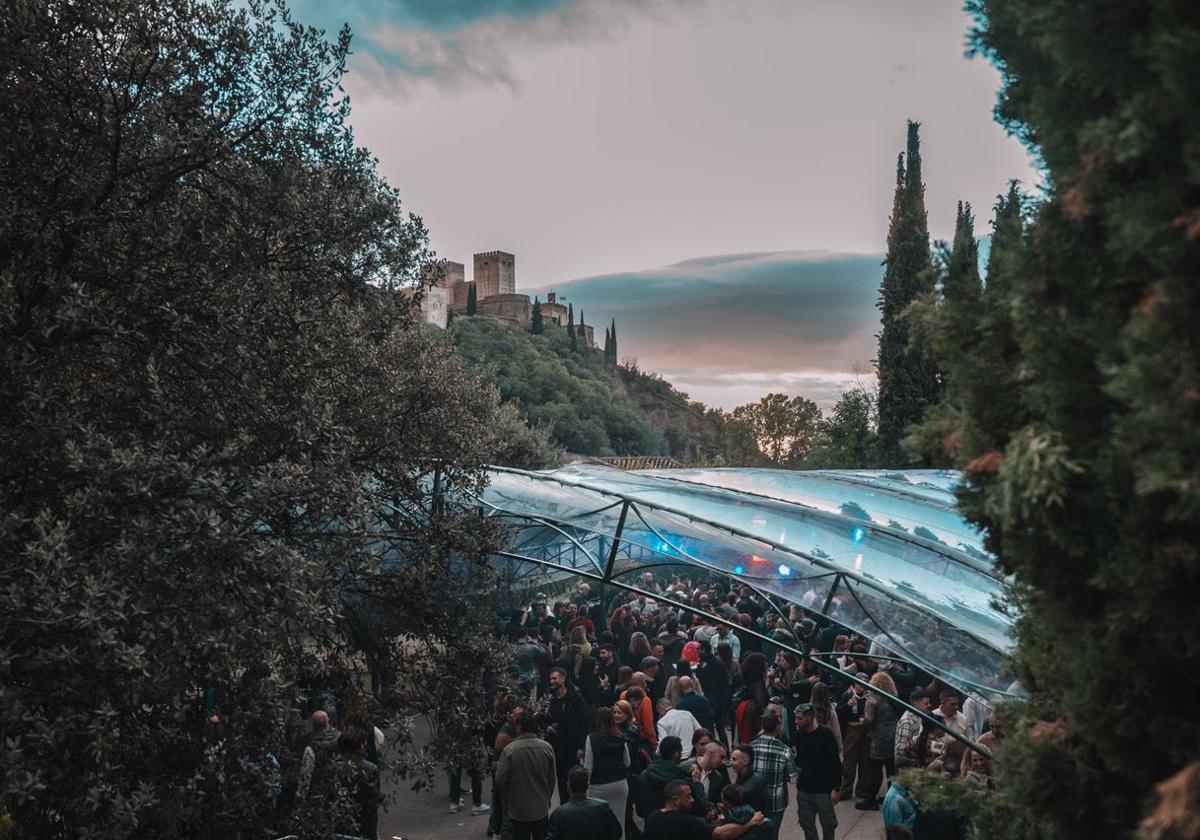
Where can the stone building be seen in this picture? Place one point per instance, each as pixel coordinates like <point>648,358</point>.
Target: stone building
<point>553,312</point>
<point>584,335</point>
<point>495,274</point>
<point>435,308</point>
<point>513,309</point>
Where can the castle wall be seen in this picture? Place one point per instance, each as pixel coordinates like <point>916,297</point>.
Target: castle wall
<point>513,308</point>
<point>554,313</point>
<point>434,304</point>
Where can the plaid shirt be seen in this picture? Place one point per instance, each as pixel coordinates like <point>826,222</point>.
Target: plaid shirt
<point>774,761</point>
<point>907,728</point>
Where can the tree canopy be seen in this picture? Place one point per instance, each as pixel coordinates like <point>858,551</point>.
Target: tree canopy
<point>220,428</point>
<point>1078,411</point>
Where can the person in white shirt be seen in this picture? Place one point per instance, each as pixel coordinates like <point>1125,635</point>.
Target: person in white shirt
<point>948,711</point>
<point>672,721</point>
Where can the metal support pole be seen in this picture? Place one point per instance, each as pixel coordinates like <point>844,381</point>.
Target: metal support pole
<point>837,581</point>
<point>616,544</point>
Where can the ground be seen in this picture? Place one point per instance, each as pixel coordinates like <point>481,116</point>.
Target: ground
<point>425,816</point>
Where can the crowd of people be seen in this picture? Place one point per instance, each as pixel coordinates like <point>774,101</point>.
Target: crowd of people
<point>648,719</point>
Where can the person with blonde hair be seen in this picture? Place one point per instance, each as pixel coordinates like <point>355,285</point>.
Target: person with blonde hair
<point>880,717</point>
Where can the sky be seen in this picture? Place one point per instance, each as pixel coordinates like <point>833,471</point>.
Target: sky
<point>714,174</point>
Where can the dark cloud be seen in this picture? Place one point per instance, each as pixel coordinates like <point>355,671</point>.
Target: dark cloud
<point>804,314</point>
<point>455,44</point>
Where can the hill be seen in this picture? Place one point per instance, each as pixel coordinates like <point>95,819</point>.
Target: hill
<point>586,406</point>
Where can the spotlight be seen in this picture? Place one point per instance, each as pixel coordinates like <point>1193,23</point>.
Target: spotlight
<point>858,535</point>
<point>784,570</point>
<point>739,569</point>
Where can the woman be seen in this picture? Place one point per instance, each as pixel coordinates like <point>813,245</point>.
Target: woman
<point>579,637</point>
<point>825,713</point>
<point>880,719</point>
<point>639,759</point>
<point>749,709</point>
<point>606,756</point>
<point>639,649</point>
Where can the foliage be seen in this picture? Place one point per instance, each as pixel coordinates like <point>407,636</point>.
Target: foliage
<point>786,429</point>
<point>472,299</point>
<point>848,436</point>
<point>209,392</point>
<point>1080,407</point>
<point>908,380</point>
<point>569,394</point>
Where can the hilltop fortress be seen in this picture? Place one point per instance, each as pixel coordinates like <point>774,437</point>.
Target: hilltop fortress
<point>494,285</point>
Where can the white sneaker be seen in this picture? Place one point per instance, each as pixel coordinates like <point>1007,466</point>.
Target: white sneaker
<point>481,809</point>
<point>455,807</point>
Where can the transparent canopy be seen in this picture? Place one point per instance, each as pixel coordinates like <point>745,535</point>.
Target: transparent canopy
<point>884,553</point>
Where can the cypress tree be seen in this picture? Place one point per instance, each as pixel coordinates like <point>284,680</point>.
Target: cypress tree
<point>949,324</point>
<point>571,325</point>
<point>908,380</point>
<point>607,343</point>
<point>536,325</point>
<point>1089,495</point>
<point>471,300</point>
<point>612,355</point>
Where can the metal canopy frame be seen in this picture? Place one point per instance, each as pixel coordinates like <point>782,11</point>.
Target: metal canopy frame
<point>844,580</point>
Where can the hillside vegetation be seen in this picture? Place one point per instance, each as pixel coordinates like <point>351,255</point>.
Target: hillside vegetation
<point>587,406</point>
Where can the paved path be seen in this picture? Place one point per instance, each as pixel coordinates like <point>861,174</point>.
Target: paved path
<point>425,815</point>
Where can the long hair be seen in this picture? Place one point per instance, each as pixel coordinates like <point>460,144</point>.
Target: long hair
<point>883,681</point>
<point>639,644</point>
<point>821,704</point>
<point>579,635</point>
<point>754,668</point>
<point>605,725</point>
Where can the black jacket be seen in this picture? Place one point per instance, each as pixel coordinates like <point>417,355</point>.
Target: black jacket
<point>569,715</point>
<point>582,818</point>
<point>754,790</point>
<point>700,708</point>
<point>654,778</point>
<point>820,767</point>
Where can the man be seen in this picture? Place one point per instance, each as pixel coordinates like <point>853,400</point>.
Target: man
<point>526,777</point>
<point>676,722</point>
<point>773,760</point>
<point>319,752</point>
<point>819,772</point>
<point>567,729</point>
<point>677,821</point>
<point>710,772</point>
<point>714,679</point>
<point>948,711</point>
<point>692,701</point>
<point>672,639</point>
<point>357,785</point>
<point>653,780</point>
<point>908,728</point>
<point>581,817</point>
<point>607,672</point>
<point>528,656</point>
<point>651,667</point>
<point>582,596</point>
<point>741,761</point>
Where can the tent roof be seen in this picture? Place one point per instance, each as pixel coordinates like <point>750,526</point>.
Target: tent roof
<point>884,552</point>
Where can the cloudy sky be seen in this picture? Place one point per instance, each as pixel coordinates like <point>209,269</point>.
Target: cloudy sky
<point>715,174</point>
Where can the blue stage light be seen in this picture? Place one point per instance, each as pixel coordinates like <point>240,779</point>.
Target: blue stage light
<point>858,534</point>
<point>784,571</point>
<point>739,569</point>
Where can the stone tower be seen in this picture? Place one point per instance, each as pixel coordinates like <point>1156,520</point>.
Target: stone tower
<point>495,274</point>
